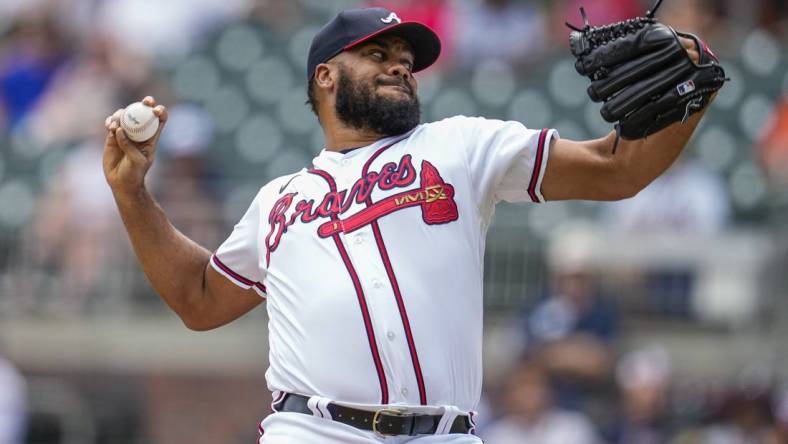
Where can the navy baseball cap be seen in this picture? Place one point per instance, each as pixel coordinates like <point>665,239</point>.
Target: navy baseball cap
<point>355,26</point>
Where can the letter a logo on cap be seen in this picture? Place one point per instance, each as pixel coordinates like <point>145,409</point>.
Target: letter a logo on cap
<point>392,17</point>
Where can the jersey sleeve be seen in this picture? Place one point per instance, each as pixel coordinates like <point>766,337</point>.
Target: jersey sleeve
<point>507,161</point>
<point>239,258</point>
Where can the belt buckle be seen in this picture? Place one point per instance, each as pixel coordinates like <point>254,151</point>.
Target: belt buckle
<point>376,419</point>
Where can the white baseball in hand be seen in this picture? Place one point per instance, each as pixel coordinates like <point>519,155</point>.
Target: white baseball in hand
<point>138,122</point>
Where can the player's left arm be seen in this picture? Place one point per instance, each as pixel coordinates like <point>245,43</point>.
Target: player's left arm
<point>590,170</point>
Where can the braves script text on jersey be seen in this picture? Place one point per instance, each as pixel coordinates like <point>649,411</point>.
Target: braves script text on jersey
<point>371,261</point>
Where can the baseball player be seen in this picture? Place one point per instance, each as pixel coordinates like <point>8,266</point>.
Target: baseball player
<point>370,260</point>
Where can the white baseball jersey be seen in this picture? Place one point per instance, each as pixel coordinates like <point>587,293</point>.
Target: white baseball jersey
<point>371,262</point>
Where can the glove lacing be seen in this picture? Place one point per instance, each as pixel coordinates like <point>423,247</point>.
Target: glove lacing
<point>600,36</point>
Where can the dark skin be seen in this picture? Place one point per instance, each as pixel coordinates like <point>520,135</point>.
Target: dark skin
<point>576,170</point>
<point>179,269</point>
<point>388,60</point>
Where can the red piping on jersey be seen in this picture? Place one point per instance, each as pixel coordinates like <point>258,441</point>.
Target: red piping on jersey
<point>373,346</point>
<point>537,166</point>
<point>414,356</point>
<point>237,276</point>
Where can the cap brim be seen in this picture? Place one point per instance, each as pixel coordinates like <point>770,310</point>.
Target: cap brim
<point>425,42</point>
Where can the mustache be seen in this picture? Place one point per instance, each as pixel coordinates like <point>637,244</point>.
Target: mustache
<point>395,82</point>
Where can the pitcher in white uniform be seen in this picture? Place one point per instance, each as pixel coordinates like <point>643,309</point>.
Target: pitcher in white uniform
<point>370,259</point>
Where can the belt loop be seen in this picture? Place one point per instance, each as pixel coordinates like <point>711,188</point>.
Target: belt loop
<point>472,421</point>
<point>319,407</point>
<point>276,397</point>
<point>450,413</point>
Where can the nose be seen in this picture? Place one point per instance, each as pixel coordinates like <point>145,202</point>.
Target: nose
<point>399,70</point>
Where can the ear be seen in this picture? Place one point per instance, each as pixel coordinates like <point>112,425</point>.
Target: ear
<point>325,76</point>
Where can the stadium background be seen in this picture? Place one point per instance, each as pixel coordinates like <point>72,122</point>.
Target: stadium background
<point>693,319</point>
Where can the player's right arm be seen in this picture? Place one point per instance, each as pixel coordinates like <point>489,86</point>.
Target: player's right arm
<point>178,268</point>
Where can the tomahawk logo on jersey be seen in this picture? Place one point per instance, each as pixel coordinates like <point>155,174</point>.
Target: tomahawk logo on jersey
<point>352,253</point>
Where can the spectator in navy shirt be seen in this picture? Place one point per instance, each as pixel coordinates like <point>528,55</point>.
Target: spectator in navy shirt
<point>573,331</point>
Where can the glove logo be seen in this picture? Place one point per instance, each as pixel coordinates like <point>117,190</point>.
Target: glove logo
<point>686,88</point>
<point>391,18</point>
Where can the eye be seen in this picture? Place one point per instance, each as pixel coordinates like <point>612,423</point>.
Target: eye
<point>408,65</point>
<point>378,54</point>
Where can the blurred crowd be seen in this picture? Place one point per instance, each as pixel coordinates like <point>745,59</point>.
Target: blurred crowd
<point>573,380</point>
<point>67,64</point>
<point>638,401</point>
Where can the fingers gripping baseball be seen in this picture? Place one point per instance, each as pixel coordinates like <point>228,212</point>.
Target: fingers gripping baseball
<point>127,162</point>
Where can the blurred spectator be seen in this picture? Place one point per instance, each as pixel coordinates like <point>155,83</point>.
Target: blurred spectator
<point>76,234</point>
<point>284,16</point>
<point>599,12</point>
<point>531,416</point>
<point>769,15</point>
<point>13,412</point>
<point>702,17</point>
<point>506,30</point>
<point>602,11</point>
<point>773,146</point>
<point>745,418</point>
<point>782,416</point>
<point>687,199</point>
<point>643,377</point>
<point>29,58</point>
<point>573,332</point>
<point>437,14</point>
<point>187,189</point>
<point>172,30</point>
<point>92,82</point>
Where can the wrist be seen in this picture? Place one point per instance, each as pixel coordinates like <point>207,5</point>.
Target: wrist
<point>130,195</point>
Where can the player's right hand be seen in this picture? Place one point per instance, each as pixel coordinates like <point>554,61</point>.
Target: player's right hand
<point>127,162</point>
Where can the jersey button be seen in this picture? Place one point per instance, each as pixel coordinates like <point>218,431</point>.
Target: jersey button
<point>404,392</point>
<point>391,335</point>
<point>376,283</point>
<point>359,239</point>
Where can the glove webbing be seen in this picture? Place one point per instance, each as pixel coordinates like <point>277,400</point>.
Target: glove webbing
<point>603,34</point>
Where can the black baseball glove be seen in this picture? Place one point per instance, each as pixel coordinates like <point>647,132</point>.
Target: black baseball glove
<point>643,74</point>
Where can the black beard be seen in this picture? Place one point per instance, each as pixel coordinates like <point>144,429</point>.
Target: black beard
<point>359,107</point>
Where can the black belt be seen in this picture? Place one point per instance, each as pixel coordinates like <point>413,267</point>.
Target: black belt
<point>384,422</point>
